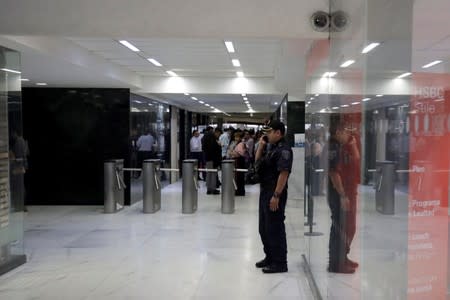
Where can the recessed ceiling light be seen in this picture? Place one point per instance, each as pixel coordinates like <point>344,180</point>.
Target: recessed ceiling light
<point>149,104</point>
<point>236,62</point>
<point>317,95</point>
<point>276,103</point>
<point>206,104</point>
<point>201,102</point>
<point>229,46</point>
<point>172,73</point>
<point>432,64</point>
<point>347,63</point>
<point>245,98</point>
<point>186,94</point>
<point>370,47</point>
<point>366,99</point>
<point>41,83</point>
<point>194,98</point>
<point>379,95</point>
<point>243,95</point>
<point>155,62</point>
<point>312,98</point>
<point>24,79</point>
<point>335,107</point>
<point>137,101</point>
<point>404,75</point>
<point>355,103</point>
<point>329,74</point>
<point>344,105</point>
<point>10,71</point>
<point>129,46</point>
<point>240,74</point>
<point>309,102</point>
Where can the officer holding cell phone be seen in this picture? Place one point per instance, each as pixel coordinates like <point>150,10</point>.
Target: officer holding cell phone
<point>273,164</point>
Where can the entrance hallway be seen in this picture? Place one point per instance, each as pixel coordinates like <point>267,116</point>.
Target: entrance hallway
<point>77,252</point>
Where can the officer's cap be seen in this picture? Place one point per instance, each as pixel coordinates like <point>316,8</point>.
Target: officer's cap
<point>274,125</point>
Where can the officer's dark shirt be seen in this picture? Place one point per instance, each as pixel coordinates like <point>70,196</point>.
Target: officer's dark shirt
<point>275,160</point>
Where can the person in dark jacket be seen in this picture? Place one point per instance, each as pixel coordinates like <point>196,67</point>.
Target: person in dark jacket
<point>213,157</point>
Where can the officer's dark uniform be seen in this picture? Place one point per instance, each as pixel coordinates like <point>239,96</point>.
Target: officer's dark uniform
<point>271,223</point>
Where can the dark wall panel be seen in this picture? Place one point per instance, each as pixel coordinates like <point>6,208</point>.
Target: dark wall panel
<point>70,133</point>
<point>295,120</point>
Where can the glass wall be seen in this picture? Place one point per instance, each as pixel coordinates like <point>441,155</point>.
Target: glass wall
<point>378,129</point>
<point>13,162</point>
<point>148,118</point>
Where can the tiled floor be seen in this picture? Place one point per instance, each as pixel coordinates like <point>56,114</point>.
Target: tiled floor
<point>81,253</point>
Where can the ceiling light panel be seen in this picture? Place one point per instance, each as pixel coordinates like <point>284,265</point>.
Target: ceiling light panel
<point>230,46</point>
<point>129,45</point>
<point>370,47</point>
<point>236,62</point>
<point>433,63</point>
<point>155,62</point>
<point>347,63</point>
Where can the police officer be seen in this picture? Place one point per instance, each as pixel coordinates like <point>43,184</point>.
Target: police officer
<point>344,175</point>
<point>273,164</point>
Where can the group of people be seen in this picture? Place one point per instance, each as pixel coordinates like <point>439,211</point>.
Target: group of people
<point>214,145</point>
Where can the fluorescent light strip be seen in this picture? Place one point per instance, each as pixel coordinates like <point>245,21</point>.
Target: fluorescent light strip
<point>329,74</point>
<point>194,98</point>
<point>24,79</point>
<point>432,64</point>
<point>186,94</point>
<point>172,73</point>
<point>11,71</point>
<point>236,62</point>
<point>240,74</point>
<point>366,99</point>
<point>404,75</point>
<point>347,63</point>
<point>155,62</point>
<point>41,83</point>
<point>201,102</point>
<point>206,104</point>
<point>335,107</point>
<point>243,95</point>
<point>370,47</point>
<point>344,105</point>
<point>230,47</point>
<point>129,46</point>
<point>137,101</point>
<point>379,96</point>
<point>355,103</point>
<point>245,98</point>
<point>317,95</point>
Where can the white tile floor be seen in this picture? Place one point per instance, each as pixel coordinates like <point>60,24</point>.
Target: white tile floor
<point>80,253</point>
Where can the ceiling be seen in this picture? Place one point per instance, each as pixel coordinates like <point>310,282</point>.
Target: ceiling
<point>271,39</point>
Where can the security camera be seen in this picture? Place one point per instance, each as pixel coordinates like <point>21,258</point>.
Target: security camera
<point>320,21</point>
<point>338,21</point>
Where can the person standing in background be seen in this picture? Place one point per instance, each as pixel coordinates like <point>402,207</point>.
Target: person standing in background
<point>196,151</point>
<point>145,145</point>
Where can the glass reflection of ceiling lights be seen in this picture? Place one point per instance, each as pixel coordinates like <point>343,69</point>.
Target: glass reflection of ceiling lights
<point>369,47</point>
<point>433,63</point>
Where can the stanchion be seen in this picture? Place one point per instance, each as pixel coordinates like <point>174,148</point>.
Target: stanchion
<point>310,218</point>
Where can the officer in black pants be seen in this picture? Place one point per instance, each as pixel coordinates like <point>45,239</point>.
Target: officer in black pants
<point>273,166</point>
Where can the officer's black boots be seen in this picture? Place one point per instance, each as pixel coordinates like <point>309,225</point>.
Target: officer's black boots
<point>262,263</point>
<point>275,268</point>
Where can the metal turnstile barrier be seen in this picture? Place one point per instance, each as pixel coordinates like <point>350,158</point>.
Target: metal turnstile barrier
<point>385,185</point>
<point>151,186</point>
<point>189,186</point>
<point>114,185</point>
<point>228,186</point>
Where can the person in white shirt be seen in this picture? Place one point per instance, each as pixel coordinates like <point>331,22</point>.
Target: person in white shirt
<point>195,148</point>
<point>224,141</point>
<point>145,145</point>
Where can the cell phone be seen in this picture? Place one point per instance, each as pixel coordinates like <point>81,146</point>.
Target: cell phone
<point>265,138</point>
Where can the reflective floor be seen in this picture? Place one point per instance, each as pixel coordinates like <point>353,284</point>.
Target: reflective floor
<point>382,273</point>
<point>80,253</point>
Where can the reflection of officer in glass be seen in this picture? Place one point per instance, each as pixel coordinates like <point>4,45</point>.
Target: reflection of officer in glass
<point>344,177</point>
<point>273,167</point>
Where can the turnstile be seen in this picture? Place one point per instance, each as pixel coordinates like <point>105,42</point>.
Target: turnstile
<point>114,187</point>
<point>189,186</point>
<point>151,186</point>
<point>228,188</point>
